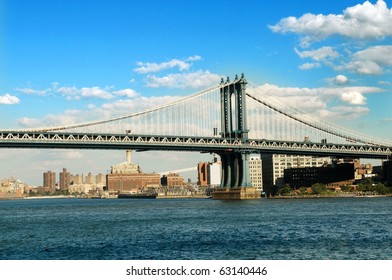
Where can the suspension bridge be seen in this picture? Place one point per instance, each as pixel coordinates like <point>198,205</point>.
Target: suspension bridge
<point>233,119</point>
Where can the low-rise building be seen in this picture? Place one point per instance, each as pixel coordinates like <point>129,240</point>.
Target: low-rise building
<point>307,176</point>
<point>127,183</point>
<point>172,180</point>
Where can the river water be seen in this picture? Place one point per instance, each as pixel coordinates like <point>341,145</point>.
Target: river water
<point>273,229</point>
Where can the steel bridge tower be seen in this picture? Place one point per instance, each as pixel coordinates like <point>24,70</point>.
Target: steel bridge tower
<point>235,183</point>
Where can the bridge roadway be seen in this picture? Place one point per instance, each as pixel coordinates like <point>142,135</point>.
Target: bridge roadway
<point>68,140</point>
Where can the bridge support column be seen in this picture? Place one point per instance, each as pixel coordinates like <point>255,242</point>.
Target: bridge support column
<point>235,182</point>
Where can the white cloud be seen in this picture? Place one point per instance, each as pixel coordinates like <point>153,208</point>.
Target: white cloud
<point>365,21</point>
<point>65,118</point>
<point>195,80</point>
<point>32,91</point>
<point>137,104</point>
<point>344,112</point>
<point>318,100</point>
<point>8,99</point>
<point>95,92</point>
<point>386,120</point>
<point>308,66</point>
<point>130,93</point>
<point>150,67</point>
<point>73,154</point>
<point>320,54</point>
<point>371,60</point>
<point>29,122</point>
<point>194,58</point>
<point>74,93</point>
<point>353,97</point>
<point>341,80</point>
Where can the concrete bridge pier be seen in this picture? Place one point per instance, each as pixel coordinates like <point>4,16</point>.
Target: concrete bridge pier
<point>235,184</point>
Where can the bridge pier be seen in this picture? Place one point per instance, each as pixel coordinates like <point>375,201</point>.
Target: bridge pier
<point>235,182</point>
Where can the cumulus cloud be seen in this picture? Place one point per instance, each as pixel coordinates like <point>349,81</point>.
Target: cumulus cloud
<point>318,100</point>
<point>130,93</point>
<point>341,80</point>
<point>151,67</point>
<point>95,92</point>
<point>365,21</point>
<point>74,93</point>
<point>320,54</point>
<point>8,99</point>
<point>137,104</point>
<point>195,80</point>
<point>372,60</point>
<point>65,118</point>
<point>353,97</point>
<point>344,112</point>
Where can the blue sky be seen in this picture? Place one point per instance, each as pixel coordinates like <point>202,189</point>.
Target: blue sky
<point>70,61</point>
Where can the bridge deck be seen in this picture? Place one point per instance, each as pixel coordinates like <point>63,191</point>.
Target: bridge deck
<point>57,140</point>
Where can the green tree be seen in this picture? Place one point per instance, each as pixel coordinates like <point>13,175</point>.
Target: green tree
<point>319,188</point>
<point>381,189</point>
<point>345,188</point>
<point>303,190</point>
<point>285,190</point>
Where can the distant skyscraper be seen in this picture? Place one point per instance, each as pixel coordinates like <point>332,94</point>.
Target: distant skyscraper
<point>65,179</point>
<point>50,181</point>
<point>89,179</point>
<point>100,179</point>
<point>76,179</point>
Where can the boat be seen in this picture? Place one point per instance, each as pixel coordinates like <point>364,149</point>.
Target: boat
<point>138,195</point>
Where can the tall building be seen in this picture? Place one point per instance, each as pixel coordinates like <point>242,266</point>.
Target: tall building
<point>65,180</point>
<point>76,179</point>
<point>209,173</point>
<point>255,172</point>
<point>274,165</point>
<point>50,181</point>
<point>214,172</point>
<point>89,179</point>
<point>202,174</point>
<point>387,170</point>
<point>100,179</point>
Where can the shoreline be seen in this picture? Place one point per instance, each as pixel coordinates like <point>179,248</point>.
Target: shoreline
<point>328,196</point>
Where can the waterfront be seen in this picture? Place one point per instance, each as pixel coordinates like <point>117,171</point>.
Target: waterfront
<point>334,228</point>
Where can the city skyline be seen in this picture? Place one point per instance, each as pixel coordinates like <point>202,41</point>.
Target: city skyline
<point>65,62</point>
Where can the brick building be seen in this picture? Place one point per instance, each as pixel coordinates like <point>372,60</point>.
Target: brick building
<point>127,183</point>
<point>172,180</point>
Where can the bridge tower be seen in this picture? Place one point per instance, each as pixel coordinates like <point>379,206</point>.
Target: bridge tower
<point>235,183</point>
